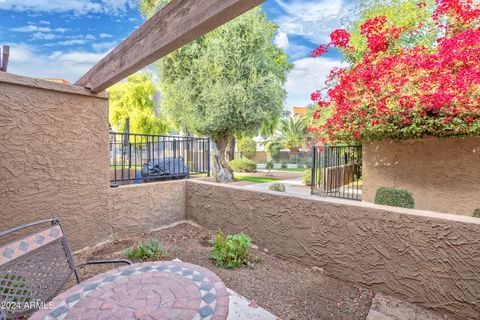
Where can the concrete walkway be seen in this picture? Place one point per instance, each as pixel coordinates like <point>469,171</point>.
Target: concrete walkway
<point>240,308</point>
<point>390,308</point>
<point>293,186</point>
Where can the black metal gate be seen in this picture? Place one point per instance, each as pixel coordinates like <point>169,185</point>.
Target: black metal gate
<point>173,157</point>
<point>337,172</point>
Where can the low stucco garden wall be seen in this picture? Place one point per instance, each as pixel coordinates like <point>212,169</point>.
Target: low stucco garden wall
<point>54,160</point>
<point>423,257</point>
<point>144,207</point>
<point>442,174</point>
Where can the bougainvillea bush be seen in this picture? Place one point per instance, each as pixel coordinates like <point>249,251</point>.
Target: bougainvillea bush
<point>406,92</point>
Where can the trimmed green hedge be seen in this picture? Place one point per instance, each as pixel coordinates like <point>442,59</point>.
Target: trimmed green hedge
<point>476,213</point>
<point>307,177</point>
<point>243,165</point>
<point>280,187</point>
<point>394,197</point>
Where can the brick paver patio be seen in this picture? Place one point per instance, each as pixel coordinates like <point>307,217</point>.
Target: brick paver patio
<point>154,290</point>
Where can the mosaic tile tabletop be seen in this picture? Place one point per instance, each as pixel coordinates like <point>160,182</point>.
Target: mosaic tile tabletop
<point>154,290</point>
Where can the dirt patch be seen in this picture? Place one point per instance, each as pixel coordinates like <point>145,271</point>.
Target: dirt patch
<point>287,289</point>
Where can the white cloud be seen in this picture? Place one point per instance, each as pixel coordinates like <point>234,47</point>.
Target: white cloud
<point>308,75</point>
<point>44,22</point>
<point>43,36</point>
<point>104,46</point>
<point>31,28</point>
<point>311,19</point>
<point>77,6</point>
<point>71,42</point>
<point>281,40</point>
<point>26,61</point>
<point>105,35</point>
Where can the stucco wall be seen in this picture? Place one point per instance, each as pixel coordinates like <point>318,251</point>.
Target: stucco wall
<point>442,174</point>
<point>141,208</point>
<point>54,161</point>
<point>54,155</point>
<point>423,257</point>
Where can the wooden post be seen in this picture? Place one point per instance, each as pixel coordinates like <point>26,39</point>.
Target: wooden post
<point>4,58</point>
<point>178,23</point>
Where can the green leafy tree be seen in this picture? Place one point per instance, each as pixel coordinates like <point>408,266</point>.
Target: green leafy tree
<point>247,147</point>
<point>133,99</point>
<point>227,83</point>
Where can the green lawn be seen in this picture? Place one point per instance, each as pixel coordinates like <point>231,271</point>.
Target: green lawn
<point>119,166</point>
<point>255,179</point>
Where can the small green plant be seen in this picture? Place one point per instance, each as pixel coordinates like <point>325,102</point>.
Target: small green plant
<point>394,197</point>
<point>231,251</point>
<point>307,177</point>
<point>283,164</point>
<point>476,213</point>
<point>243,165</point>
<point>149,249</point>
<point>280,187</point>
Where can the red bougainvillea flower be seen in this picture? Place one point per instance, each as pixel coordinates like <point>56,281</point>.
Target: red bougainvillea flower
<point>317,95</point>
<point>377,43</point>
<point>318,52</point>
<point>373,26</point>
<point>340,38</point>
<point>407,92</point>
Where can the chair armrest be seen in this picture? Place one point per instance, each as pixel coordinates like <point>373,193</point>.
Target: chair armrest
<point>111,261</point>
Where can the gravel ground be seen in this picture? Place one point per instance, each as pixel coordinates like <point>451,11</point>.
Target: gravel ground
<point>287,289</point>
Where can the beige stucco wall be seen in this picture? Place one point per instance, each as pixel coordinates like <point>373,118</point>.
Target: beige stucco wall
<point>141,208</point>
<point>442,174</point>
<point>424,257</point>
<point>53,147</point>
<point>54,161</point>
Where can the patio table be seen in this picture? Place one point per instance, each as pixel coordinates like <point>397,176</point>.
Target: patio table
<point>153,290</point>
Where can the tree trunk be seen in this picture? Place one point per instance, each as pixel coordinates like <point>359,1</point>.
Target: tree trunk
<point>222,171</point>
<point>231,149</point>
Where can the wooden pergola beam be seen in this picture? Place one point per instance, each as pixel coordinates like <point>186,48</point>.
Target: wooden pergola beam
<point>178,23</point>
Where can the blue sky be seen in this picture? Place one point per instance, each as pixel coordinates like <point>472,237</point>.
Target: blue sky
<point>64,38</point>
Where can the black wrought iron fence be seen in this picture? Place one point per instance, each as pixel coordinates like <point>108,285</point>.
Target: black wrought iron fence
<point>337,172</point>
<point>137,158</point>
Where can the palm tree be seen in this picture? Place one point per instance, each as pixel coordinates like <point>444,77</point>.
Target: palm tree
<point>293,133</point>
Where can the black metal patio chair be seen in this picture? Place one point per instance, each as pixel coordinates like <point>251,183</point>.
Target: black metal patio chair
<point>35,268</point>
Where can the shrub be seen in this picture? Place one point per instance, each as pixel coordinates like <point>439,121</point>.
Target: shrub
<point>394,197</point>
<point>149,249</point>
<point>247,147</point>
<point>284,164</point>
<point>243,165</point>
<point>307,177</point>
<point>476,213</point>
<point>231,251</point>
<point>280,187</point>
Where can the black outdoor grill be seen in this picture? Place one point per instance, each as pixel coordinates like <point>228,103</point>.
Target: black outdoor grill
<point>168,168</point>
